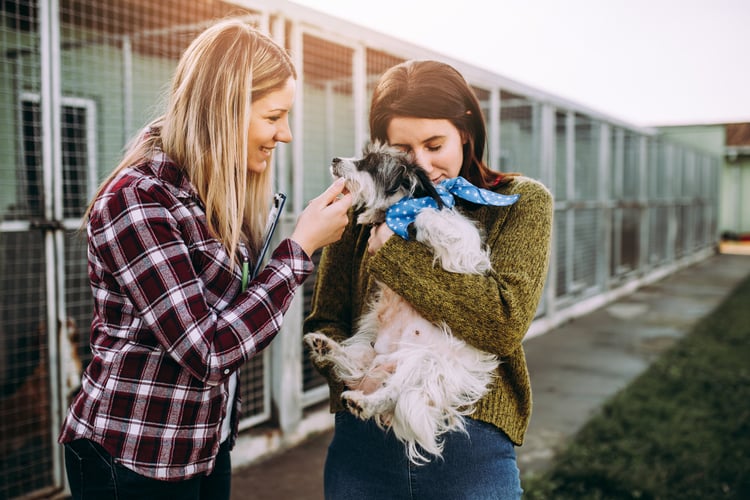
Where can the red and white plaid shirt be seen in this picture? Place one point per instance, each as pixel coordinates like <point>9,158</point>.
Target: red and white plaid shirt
<point>170,325</point>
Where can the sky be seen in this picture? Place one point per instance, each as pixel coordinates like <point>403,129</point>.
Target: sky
<point>646,62</point>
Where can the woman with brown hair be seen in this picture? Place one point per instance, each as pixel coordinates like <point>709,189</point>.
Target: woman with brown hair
<point>428,109</point>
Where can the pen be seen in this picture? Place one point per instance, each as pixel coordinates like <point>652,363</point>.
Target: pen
<point>245,266</point>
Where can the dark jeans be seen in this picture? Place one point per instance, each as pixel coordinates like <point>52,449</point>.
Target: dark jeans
<point>366,463</point>
<point>93,474</point>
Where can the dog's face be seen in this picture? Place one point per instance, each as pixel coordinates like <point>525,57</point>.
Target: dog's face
<point>380,178</point>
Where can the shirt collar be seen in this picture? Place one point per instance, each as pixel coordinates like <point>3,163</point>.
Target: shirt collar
<point>172,175</point>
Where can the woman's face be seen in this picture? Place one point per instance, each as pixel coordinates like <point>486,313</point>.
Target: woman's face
<point>269,125</point>
<point>436,144</point>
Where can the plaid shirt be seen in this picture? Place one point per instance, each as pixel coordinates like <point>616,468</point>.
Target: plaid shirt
<point>170,324</point>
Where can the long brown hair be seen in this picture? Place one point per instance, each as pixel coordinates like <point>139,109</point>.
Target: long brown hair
<point>434,90</point>
<point>204,129</point>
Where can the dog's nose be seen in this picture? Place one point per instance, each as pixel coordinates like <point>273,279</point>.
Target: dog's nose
<point>336,160</point>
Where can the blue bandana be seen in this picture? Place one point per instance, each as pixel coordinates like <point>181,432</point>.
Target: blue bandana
<point>402,213</point>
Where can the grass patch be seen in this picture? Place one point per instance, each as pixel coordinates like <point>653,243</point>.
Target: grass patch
<point>681,430</point>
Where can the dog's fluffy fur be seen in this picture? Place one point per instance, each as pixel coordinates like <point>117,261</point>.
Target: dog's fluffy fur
<point>430,379</point>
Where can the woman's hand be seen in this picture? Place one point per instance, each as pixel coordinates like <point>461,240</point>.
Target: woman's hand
<point>378,236</point>
<point>323,220</point>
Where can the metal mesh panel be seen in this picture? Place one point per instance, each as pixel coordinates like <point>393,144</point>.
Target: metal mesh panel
<point>519,135</point>
<point>658,234</point>
<point>676,180</point>
<point>30,177</point>
<point>707,179</point>
<point>702,218</point>
<point>695,216</point>
<point>254,391</point>
<point>483,95</point>
<point>75,129</point>
<point>629,241</point>
<point>121,55</point>
<point>615,173</point>
<point>683,231</point>
<point>25,426</point>
<point>586,158</point>
<point>79,305</point>
<point>695,209</point>
<point>624,190</point>
<point>658,174</point>
<point>631,180</point>
<point>329,110</point>
<point>563,270</point>
<point>689,187</point>
<point>561,157</point>
<point>586,251</point>
<point>715,170</point>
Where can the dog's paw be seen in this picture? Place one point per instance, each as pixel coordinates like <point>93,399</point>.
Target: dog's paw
<point>319,344</point>
<point>385,419</point>
<point>351,401</point>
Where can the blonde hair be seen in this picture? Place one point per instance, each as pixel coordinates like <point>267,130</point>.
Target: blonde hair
<point>204,129</point>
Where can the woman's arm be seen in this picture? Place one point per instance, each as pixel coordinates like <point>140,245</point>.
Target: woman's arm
<point>136,241</point>
<point>490,312</point>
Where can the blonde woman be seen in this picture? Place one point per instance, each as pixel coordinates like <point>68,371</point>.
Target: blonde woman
<point>168,233</point>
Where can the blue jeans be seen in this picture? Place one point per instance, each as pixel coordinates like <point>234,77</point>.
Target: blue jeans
<point>365,462</point>
<point>93,474</point>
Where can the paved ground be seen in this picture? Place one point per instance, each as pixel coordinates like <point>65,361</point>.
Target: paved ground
<point>574,369</point>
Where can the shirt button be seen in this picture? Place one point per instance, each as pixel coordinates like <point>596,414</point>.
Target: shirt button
<point>226,371</point>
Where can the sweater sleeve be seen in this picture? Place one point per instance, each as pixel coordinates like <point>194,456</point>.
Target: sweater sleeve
<point>146,284</point>
<point>336,297</point>
<point>491,312</point>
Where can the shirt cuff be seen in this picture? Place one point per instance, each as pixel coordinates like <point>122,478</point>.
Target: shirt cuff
<point>291,252</point>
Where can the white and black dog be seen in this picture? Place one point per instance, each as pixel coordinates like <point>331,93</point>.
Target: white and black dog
<point>430,379</point>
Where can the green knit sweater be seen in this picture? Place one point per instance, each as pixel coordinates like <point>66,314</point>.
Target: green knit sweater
<point>492,313</point>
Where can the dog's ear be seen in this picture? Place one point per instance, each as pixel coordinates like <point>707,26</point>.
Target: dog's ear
<point>425,187</point>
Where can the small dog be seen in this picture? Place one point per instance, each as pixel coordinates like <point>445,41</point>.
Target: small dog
<point>429,379</point>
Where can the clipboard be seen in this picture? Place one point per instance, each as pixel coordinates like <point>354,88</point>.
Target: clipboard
<point>273,219</point>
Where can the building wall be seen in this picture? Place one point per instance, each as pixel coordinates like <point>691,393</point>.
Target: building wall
<point>707,138</point>
<point>735,197</point>
<point>734,202</point>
